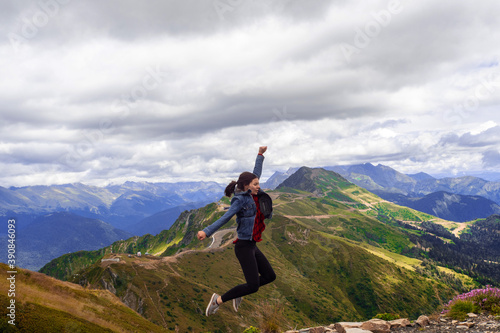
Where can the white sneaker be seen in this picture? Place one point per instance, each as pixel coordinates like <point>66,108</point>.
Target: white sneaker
<point>236,303</point>
<point>212,306</point>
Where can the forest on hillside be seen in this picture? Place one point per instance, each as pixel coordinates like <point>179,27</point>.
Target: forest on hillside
<point>476,253</point>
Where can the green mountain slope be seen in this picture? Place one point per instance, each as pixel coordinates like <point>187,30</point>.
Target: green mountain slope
<point>337,249</point>
<point>180,236</point>
<point>321,279</point>
<point>45,304</point>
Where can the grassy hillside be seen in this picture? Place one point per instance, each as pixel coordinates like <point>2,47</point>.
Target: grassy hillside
<point>45,304</point>
<point>339,252</point>
<point>178,237</point>
<point>321,279</point>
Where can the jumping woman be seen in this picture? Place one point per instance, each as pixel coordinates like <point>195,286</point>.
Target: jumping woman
<point>246,205</point>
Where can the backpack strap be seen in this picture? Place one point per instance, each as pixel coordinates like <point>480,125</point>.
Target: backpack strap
<point>266,204</point>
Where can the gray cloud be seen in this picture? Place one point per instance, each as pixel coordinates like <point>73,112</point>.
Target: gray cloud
<point>186,90</point>
<point>487,138</point>
<point>491,158</point>
<point>72,21</point>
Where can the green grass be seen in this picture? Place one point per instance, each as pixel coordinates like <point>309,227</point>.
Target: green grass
<point>322,278</point>
<point>32,317</point>
<point>44,304</point>
<point>338,257</point>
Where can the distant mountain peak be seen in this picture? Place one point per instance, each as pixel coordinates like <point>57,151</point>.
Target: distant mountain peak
<point>301,179</point>
<point>420,176</point>
<point>316,180</point>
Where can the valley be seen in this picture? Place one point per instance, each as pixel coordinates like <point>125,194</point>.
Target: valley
<point>340,252</point>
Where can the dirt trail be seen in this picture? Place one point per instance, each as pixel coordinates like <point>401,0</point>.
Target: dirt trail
<point>460,228</point>
<point>218,236</point>
<point>311,217</point>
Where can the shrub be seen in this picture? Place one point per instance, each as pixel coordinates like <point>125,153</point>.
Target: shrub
<point>460,309</point>
<point>252,329</point>
<point>272,316</point>
<point>387,316</point>
<point>477,300</point>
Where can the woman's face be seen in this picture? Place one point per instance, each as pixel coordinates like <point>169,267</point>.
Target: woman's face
<point>254,186</point>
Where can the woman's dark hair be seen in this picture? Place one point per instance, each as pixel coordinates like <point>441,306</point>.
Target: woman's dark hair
<point>244,179</point>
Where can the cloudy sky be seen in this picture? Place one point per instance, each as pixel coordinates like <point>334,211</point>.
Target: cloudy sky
<point>102,92</point>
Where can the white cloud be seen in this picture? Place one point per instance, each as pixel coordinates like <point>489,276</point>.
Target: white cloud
<point>165,91</point>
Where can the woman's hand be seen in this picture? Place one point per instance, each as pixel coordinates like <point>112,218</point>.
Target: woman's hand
<point>201,235</point>
<point>262,149</point>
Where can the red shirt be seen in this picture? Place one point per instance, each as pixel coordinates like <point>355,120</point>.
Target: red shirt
<point>259,224</point>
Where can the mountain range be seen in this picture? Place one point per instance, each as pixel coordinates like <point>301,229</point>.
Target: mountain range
<point>148,208</point>
<point>55,234</point>
<point>341,253</point>
<point>448,206</point>
<point>456,199</point>
<point>384,178</point>
<point>123,206</point>
<point>58,219</point>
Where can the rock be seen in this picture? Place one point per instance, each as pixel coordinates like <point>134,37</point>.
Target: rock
<point>319,329</point>
<point>343,326</point>
<point>422,321</point>
<point>377,326</point>
<point>480,323</point>
<point>472,315</point>
<point>467,323</point>
<point>399,323</point>
<point>356,330</point>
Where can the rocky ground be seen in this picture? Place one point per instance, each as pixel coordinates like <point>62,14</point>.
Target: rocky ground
<point>436,324</point>
<point>474,324</point>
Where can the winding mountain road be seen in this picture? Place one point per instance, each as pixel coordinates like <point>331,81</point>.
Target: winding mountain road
<point>218,236</point>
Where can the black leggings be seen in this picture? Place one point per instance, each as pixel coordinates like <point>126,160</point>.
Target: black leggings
<point>256,268</point>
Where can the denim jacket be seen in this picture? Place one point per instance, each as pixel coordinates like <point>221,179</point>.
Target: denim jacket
<point>243,206</point>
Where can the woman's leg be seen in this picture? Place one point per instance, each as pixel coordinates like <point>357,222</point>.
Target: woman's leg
<point>245,252</point>
<point>266,271</point>
<point>256,268</point>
